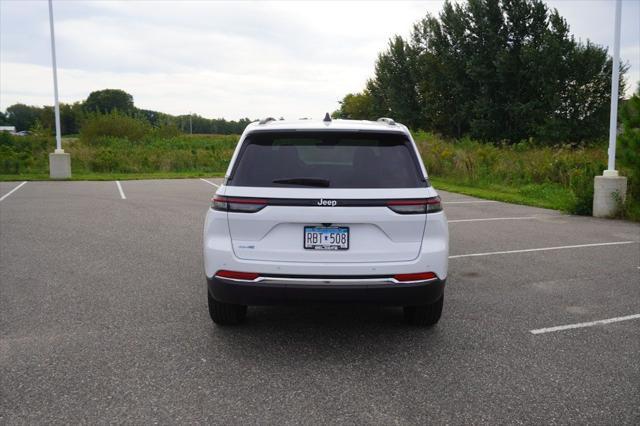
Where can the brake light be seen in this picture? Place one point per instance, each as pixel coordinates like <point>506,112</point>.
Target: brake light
<point>422,205</point>
<point>248,276</point>
<point>237,204</point>
<point>421,276</point>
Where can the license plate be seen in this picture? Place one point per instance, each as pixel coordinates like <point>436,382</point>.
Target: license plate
<point>326,237</point>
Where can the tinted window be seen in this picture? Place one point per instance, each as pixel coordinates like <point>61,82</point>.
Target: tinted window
<point>333,159</point>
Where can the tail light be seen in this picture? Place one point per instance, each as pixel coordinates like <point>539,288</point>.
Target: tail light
<point>421,276</point>
<point>419,206</point>
<point>237,204</point>
<point>235,275</point>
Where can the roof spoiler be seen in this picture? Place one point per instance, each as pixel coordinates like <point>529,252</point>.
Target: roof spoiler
<point>266,120</point>
<point>387,120</point>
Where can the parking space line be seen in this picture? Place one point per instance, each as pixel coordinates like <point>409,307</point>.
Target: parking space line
<point>584,324</point>
<point>210,183</point>
<point>120,190</point>
<point>493,218</point>
<point>12,191</point>
<point>542,249</point>
<point>469,202</point>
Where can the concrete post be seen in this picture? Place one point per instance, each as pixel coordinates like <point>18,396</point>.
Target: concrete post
<point>59,165</point>
<point>608,194</point>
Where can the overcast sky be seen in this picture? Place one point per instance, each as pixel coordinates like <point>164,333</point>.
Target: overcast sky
<point>232,59</point>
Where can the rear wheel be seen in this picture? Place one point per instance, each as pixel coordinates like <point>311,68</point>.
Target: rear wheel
<point>424,315</point>
<point>226,313</point>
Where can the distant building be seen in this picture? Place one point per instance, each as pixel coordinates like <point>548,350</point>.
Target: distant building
<point>10,129</point>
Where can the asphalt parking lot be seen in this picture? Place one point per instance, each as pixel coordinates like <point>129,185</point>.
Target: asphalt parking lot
<point>103,319</point>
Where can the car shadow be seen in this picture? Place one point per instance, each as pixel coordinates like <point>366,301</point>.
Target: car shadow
<point>328,332</point>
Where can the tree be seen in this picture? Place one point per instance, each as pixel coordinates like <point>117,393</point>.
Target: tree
<point>497,70</point>
<point>442,49</point>
<point>107,100</point>
<point>3,119</point>
<point>393,89</point>
<point>71,117</point>
<point>22,116</point>
<point>357,106</point>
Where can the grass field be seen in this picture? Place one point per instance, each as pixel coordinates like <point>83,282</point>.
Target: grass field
<point>553,177</point>
<point>559,177</point>
<point>110,157</point>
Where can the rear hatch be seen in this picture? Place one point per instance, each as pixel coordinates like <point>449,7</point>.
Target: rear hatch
<point>326,196</point>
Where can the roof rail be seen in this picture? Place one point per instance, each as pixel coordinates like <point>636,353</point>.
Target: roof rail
<point>266,120</point>
<point>387,120</point>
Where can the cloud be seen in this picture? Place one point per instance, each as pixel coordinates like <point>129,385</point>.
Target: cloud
<point>218,94</point>
<point>231,59</point>
<point>213,58</point>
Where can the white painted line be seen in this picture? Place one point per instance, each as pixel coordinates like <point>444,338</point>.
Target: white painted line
<point>585,324</point>
<point>12,191</point>
<point>493,218</point>
<point>542,249</point>
<point>210,183</point>
<point>121,191</point>
<point>469,202</point>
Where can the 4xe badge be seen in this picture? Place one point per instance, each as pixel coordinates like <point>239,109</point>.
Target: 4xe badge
<point>329,203</point>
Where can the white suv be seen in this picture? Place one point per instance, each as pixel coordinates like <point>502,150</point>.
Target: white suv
<point>337,211</point>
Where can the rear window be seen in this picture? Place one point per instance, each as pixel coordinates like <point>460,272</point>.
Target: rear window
<point>327,159</point>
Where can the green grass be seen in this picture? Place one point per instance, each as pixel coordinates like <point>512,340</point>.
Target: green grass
<point>559,178</point>
<point>117,158</point>
<point>538,195</point>
<point>549,196</point>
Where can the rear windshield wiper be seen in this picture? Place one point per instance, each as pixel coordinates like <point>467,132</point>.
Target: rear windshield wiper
<point>324,183</point>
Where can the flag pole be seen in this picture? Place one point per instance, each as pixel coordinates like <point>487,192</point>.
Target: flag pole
<point>55,80</point>
<point>59,161</point>
<point>615,83</point>
<point>610,189</point>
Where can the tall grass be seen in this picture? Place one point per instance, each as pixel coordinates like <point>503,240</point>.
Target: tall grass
<point>555,177</point>
<point>24,155</point>
<point>183,154</point>
<point>560,177</point>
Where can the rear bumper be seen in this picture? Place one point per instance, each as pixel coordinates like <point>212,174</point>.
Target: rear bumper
<point>320,290</point>
<point>218,254</point>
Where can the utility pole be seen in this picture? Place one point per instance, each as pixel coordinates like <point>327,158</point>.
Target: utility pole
<point>610,189</point>
<point>190,126</point>
<point>59,161</point>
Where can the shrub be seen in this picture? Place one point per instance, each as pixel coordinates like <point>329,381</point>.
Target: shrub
<point>534,171</point>
<point>563,176</point>
<point>581,186</point>
<point>629,143</point>
<point>165,131</point>
<point>97,127</point>
<point>24,154</point>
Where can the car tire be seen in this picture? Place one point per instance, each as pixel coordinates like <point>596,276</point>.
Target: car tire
<point>226,313</point>
<point>425,315</point>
